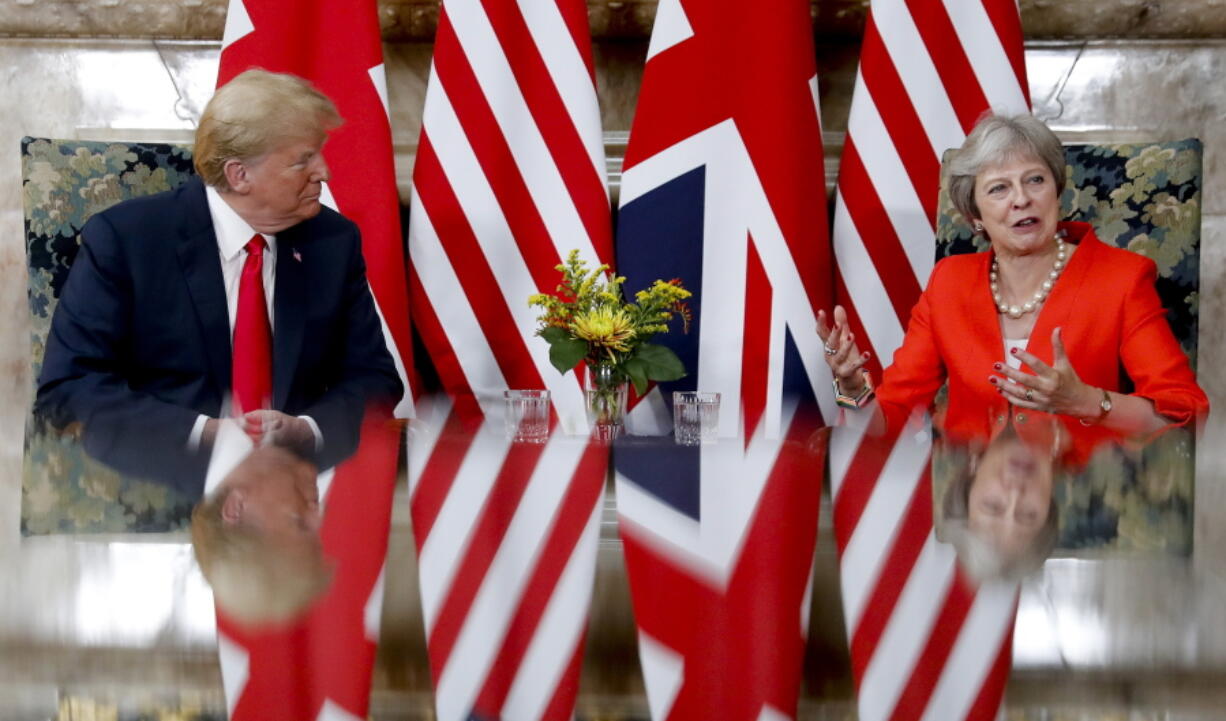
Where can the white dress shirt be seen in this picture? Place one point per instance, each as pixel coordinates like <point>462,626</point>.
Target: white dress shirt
<point>233,233</point>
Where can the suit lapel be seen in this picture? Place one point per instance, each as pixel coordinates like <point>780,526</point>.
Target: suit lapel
<point>198,257</point>
<point>981,319</point>
<point>289,314</point>
<point>1065,296</point>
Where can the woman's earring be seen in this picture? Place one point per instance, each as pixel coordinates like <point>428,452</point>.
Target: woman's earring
<point>978,227</point>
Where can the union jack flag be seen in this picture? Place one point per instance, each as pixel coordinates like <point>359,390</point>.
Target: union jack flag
<point>723,187</point>
<point>719,544</point>
<point>320,668</point>
<point>925,643</point>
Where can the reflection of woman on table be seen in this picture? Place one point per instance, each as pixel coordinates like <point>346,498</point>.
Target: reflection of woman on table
<point>1050,333</point>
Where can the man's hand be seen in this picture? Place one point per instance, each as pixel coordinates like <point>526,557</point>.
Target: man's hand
<point>274,428</point>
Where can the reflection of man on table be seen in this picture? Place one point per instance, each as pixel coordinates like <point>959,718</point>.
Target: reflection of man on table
<point>239,296</point>
<point>256,531</point>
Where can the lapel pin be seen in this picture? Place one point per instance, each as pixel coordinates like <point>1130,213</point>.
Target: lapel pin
<point>297,256</point>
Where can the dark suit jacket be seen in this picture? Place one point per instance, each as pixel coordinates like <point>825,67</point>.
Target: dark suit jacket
<point>140,342</point>
<point>1112,323</point>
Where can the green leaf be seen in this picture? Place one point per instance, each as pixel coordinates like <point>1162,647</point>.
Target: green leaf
<point>638,374</point>
<point>553,334</point>
<point>566,352</point>
<point>659,362</point>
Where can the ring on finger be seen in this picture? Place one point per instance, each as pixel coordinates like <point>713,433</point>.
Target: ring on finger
<point>1030,394</point>
<point>829,351</point>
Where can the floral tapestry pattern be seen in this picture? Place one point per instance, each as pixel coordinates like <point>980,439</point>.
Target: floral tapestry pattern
<point>63,184</point>
<point>1145,198</point>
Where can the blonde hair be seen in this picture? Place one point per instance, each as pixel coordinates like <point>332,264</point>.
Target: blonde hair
<point>253,582</point>
<point>253,114</point>
<point>995,139</point>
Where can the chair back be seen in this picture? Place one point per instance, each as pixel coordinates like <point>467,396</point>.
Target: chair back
<point>64,182</point>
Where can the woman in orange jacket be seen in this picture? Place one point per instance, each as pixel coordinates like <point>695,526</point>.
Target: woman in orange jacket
<point>1036,337</point>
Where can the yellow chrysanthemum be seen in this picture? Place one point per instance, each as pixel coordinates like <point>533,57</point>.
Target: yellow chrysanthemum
<point>606,327</point>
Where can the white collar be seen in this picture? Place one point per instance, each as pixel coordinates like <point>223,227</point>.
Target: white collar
<point>231,230</point>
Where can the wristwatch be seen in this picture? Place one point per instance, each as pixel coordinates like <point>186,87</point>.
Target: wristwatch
<point>1104,407</point>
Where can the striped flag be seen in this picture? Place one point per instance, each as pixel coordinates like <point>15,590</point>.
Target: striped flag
<point>509,177</point>
<point>506,539</point>
<point>925,643</point>
<point>723,188</point>
<point>320,668</point>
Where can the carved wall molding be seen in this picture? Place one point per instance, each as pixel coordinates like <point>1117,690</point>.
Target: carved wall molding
<point>416,20</point>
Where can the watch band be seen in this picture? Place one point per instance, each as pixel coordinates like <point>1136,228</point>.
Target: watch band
<point>859,399</point>
<point>1104,407</point>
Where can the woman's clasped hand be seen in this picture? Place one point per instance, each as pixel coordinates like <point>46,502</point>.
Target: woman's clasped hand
<point>1054,388</point>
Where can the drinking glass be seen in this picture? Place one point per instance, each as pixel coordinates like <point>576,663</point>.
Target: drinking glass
<point>527,415</point>
<point>695,417</point>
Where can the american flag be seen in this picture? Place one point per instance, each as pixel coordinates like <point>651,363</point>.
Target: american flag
<point>320,667</point>
<point>925,643</point>
<point>506,538</point>
<point>723,188</point>
<point>509,176</point>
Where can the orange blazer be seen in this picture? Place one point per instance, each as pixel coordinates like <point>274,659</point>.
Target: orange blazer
<point>1112,323</point>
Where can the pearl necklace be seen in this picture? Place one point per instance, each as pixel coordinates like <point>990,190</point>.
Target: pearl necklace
<point>1015,311</point>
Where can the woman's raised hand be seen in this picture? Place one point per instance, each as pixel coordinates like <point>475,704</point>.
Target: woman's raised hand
<point>841,352</point>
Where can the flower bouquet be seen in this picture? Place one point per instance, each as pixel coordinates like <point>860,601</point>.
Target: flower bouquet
<point>589,320</point>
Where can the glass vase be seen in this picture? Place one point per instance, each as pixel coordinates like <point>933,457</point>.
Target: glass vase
<point>605,391</point>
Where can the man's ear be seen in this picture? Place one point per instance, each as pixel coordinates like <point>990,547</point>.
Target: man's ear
<point>232,507</point>
<point>236,175</point>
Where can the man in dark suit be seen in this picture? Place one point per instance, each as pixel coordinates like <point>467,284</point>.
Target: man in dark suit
<point>140,352</point>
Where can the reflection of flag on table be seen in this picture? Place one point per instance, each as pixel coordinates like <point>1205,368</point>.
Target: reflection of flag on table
<point>924,644</point>
<point>321,667</point>
<point>506,539</point>
<point>509,177</point>
<point>719,553</point>
<point>724,188</point>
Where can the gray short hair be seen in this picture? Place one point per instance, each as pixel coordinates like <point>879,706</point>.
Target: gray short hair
<point>253,114</point>
<point>995,139</point>
<point>977,557</point>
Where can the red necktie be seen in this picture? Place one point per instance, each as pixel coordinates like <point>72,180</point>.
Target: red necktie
<point>251,373</point>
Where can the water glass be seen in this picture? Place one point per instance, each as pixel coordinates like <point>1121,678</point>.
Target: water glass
<point>527,415</point>
<point>695,417</point>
